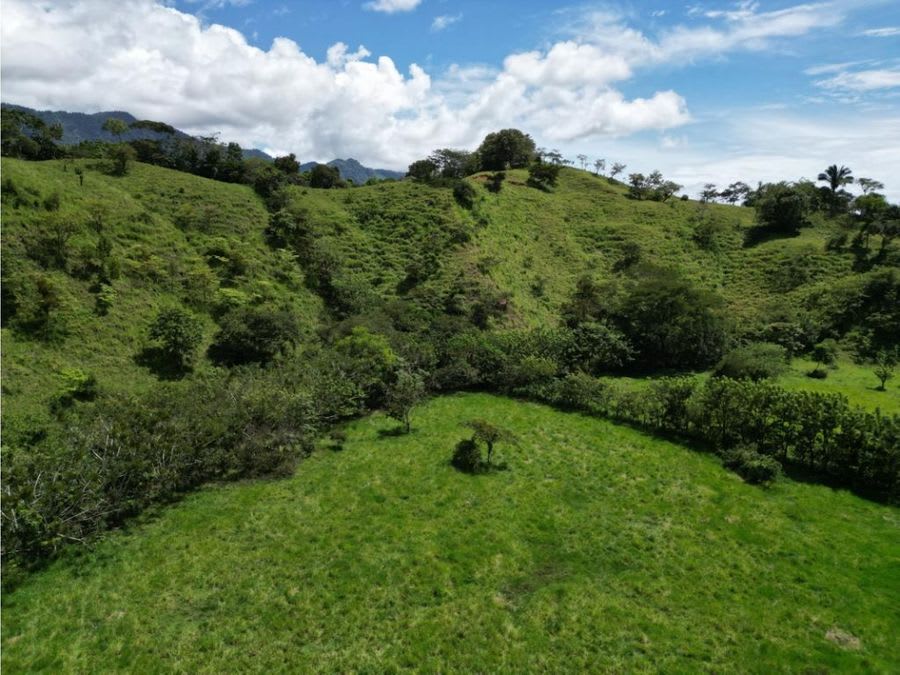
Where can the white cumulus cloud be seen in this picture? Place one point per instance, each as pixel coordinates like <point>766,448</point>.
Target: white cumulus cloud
<point>160,63</point>
<point>392,6</point>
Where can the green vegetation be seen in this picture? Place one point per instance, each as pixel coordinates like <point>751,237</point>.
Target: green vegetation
<point>599,548</point>
<point>164,331</point>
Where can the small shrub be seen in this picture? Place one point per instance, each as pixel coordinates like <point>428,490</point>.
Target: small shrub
<point>76,386</point>
<point>52,201</point>
<point>337,437</point>
<point>753,467</point>
<point>464,194</point>
<point>467,456</point>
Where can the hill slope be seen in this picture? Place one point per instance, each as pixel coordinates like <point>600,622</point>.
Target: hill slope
<point>599,549</point>
<point>178,238</point>
<point>175,239</point>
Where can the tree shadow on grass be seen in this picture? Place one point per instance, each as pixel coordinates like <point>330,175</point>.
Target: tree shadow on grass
<point>393,432</point>
<point>155,360</point>
<point>760,234</point>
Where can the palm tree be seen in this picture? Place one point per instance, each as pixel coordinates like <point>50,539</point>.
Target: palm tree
<point>836,177</point>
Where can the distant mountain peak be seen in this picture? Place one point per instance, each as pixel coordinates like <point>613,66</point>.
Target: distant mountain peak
<point>352,169</point>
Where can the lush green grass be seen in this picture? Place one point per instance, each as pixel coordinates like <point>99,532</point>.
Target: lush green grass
<point>856,382</point>
<point>599,549</point>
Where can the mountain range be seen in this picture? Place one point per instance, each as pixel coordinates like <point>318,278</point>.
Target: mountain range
<point>78,127</point>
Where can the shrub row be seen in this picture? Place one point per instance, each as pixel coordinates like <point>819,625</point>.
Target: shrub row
<point>819,432</point>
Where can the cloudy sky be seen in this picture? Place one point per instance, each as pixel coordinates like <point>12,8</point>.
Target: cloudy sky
<point>707,91</point>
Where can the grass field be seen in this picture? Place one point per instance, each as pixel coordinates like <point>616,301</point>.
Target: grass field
<point>598,549</point>
<point>856,382</point>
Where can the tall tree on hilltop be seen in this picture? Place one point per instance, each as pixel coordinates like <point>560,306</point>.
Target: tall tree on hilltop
<point>836,177</point>
<point>506,149</point>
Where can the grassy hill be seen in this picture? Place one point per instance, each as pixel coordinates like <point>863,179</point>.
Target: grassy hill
<point>179,238</point>
<point>533,245</point>
<point>176,239</point>
<point>598,549</point>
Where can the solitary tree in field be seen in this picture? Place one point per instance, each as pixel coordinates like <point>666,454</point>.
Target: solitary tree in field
<point>600,166</point>
<point>404,395</point>
<point>617,168</point>
<point>824,354</point>
<point>487,433</point>
<point>582,159</point>
<point>885,363</point>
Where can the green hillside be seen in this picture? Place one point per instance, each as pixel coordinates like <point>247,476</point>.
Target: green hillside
<point>165,335</point>
<point>176,239</point>
<point>598,549</point>
<point>182,239</point>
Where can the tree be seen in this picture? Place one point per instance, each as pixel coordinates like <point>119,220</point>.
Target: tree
<point>489,434</point>
<point>115,126</point>
<point>824,354</point>
<point>254,334</point>
<point>453,164</point>
<point>542,175</point>
<point>637,185</point>
<point>870,185</point>
<point>178,334</point>
<point>121,154</point>
<point>27,136</point>
<point>669,322</point>
<point>422,170</point>
<point>885,363</point>
<point>582,159</point>
<point>617,168</point>
<point>600,166</point>
<point>736,192</point>
<point>403,395</point>
<point>287,164</point>
<point>665,190</point>
<point>836,177</point>
<point>710,193</point>
<point>782,207</point>
<point>506,149</point>
<point>326,177</point>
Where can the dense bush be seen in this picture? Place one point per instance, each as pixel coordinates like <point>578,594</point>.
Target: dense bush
<point>123,453</point>
<point>467,456</point>
<point>178,334</point>
<point>752,466</point>
<point>782,208</point>
<point>254,335</point>
<point>756,361</point>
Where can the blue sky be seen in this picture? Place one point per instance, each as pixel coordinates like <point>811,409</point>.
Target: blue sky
<point>715,90</point>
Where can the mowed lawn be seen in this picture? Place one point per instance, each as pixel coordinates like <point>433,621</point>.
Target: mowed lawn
<point>599,549</point>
